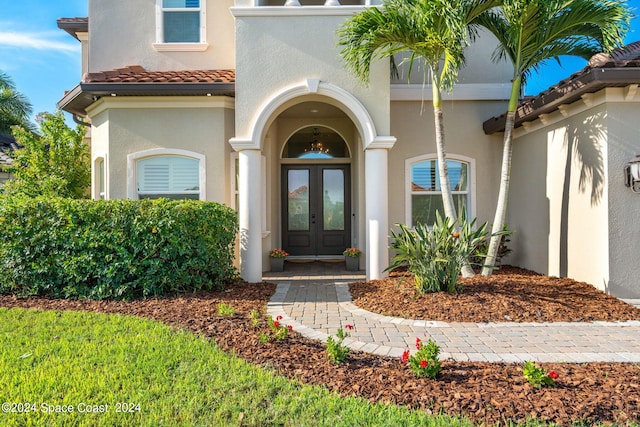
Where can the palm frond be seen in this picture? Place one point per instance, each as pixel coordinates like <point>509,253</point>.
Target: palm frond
<point>15,108</point>
<point>435,30</point>
<point>532,32</point>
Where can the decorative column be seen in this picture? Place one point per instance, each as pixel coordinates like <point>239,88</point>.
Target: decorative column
<point>250,215</point>
<point>376,206</point>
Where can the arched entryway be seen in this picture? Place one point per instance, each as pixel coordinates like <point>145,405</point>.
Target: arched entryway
<point>256,142</point>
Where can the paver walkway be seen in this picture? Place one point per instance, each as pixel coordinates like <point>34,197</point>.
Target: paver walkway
<point>315,300</point>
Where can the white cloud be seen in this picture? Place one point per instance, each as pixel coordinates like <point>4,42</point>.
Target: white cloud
<point>36,41</point>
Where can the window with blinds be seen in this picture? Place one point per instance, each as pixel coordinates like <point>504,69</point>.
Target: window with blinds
<point>426,194</point>
<point>172,177</point>
<point>182,21</point>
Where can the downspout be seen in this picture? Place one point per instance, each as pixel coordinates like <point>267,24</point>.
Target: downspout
<point>79,121</point>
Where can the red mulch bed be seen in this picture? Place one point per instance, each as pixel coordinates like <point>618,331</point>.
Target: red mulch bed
<point>510,294</point>
<point>486,392</point>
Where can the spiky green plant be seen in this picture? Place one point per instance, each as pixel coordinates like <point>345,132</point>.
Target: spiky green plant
<point>435,255</point>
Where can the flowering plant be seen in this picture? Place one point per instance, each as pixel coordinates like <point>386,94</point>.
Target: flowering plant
<point>425,362</point>
<point>336,351</point>
<point>352,252</point>
<point>539,377</point>
<point>279,330</point>
<point>278,253</point>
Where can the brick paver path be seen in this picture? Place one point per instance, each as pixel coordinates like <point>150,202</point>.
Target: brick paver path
<point>317,304</point>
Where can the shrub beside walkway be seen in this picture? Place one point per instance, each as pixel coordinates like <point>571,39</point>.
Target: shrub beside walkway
<point>318,303</point>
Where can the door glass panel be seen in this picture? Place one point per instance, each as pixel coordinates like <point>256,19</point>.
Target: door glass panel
<point>298,199</point>
<point>333,199</point>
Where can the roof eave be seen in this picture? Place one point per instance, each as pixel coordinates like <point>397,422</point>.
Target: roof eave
<point>73,27</point>
<point>78,99</point>
<point>590,82</point>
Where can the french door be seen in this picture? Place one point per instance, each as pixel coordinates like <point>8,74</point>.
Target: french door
<point>316,209</point>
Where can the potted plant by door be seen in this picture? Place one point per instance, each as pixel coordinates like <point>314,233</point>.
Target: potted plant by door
<point>351,257</point>
<point>277,257</point>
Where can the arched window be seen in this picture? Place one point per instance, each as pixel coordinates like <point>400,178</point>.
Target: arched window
<point>99,187</point>
<point>425,193</point>
<point>172,174</point>
<point>315,142</point>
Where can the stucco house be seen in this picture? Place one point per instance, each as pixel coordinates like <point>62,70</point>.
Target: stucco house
<point>7,145</point>
<point>248,103</point>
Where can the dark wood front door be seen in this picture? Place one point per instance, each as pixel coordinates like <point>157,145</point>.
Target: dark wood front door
<point>316,209</point>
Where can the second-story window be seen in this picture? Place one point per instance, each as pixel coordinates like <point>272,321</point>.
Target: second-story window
<point>181,21</point>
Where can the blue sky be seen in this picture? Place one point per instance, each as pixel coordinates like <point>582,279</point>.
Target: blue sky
<point>44,61</point>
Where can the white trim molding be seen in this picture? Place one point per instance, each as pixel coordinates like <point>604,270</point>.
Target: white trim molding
<point>461,92</point>
<point>341,98</point>
<point>159,102</point>
<point>133,158</point>
<point>268,11</point>
<point>180,47</point>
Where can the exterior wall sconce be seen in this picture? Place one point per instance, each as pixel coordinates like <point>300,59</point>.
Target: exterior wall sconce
<point>632,175</point>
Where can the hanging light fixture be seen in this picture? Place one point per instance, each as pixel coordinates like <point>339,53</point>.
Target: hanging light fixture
<point>316,145</point>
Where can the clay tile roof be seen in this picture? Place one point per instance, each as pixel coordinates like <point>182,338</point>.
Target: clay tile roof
<point>137,74</point>
<point>76,20</point>
<point>134,80</point>
<point>619,68</point>
<point>626,56</point>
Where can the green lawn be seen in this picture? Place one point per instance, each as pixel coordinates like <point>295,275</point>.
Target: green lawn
<point>164,377</point>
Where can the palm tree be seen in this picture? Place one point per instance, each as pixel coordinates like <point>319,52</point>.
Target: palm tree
<point>532,32</point>
<point>434,30</point>
<point>15,108</point>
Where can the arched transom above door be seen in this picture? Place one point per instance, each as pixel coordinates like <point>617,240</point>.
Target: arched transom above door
<point>315,142</point>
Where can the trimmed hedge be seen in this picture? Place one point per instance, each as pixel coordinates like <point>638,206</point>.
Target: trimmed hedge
<point>118,249</point>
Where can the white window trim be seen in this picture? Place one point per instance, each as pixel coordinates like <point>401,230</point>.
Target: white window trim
<point>97,178</point>
<point>161,46</point>
<point>132,160</point>
<point>471,193</point>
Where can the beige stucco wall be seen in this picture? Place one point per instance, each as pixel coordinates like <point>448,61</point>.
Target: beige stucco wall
<point>413,124</point>
<point>131,125</point>
<point>558,205</point>
<point>624,205</point>
<point>572,214</point>
<point>478,67</point>
<point>116,24</point>
<point>274,56</point>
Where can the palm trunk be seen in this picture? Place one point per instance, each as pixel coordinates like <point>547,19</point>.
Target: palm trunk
<point>443,169</point>
<point>505,179</point>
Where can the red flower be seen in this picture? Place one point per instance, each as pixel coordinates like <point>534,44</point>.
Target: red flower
<point>553,375</point>
<point>279,318</point>
<point>418,343</point>
<point>424,363</point>
<point>456,235</point>
<point>405,356</point>
<point>349,327</point>
<point>276,324</point>
<point>289,327</point>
